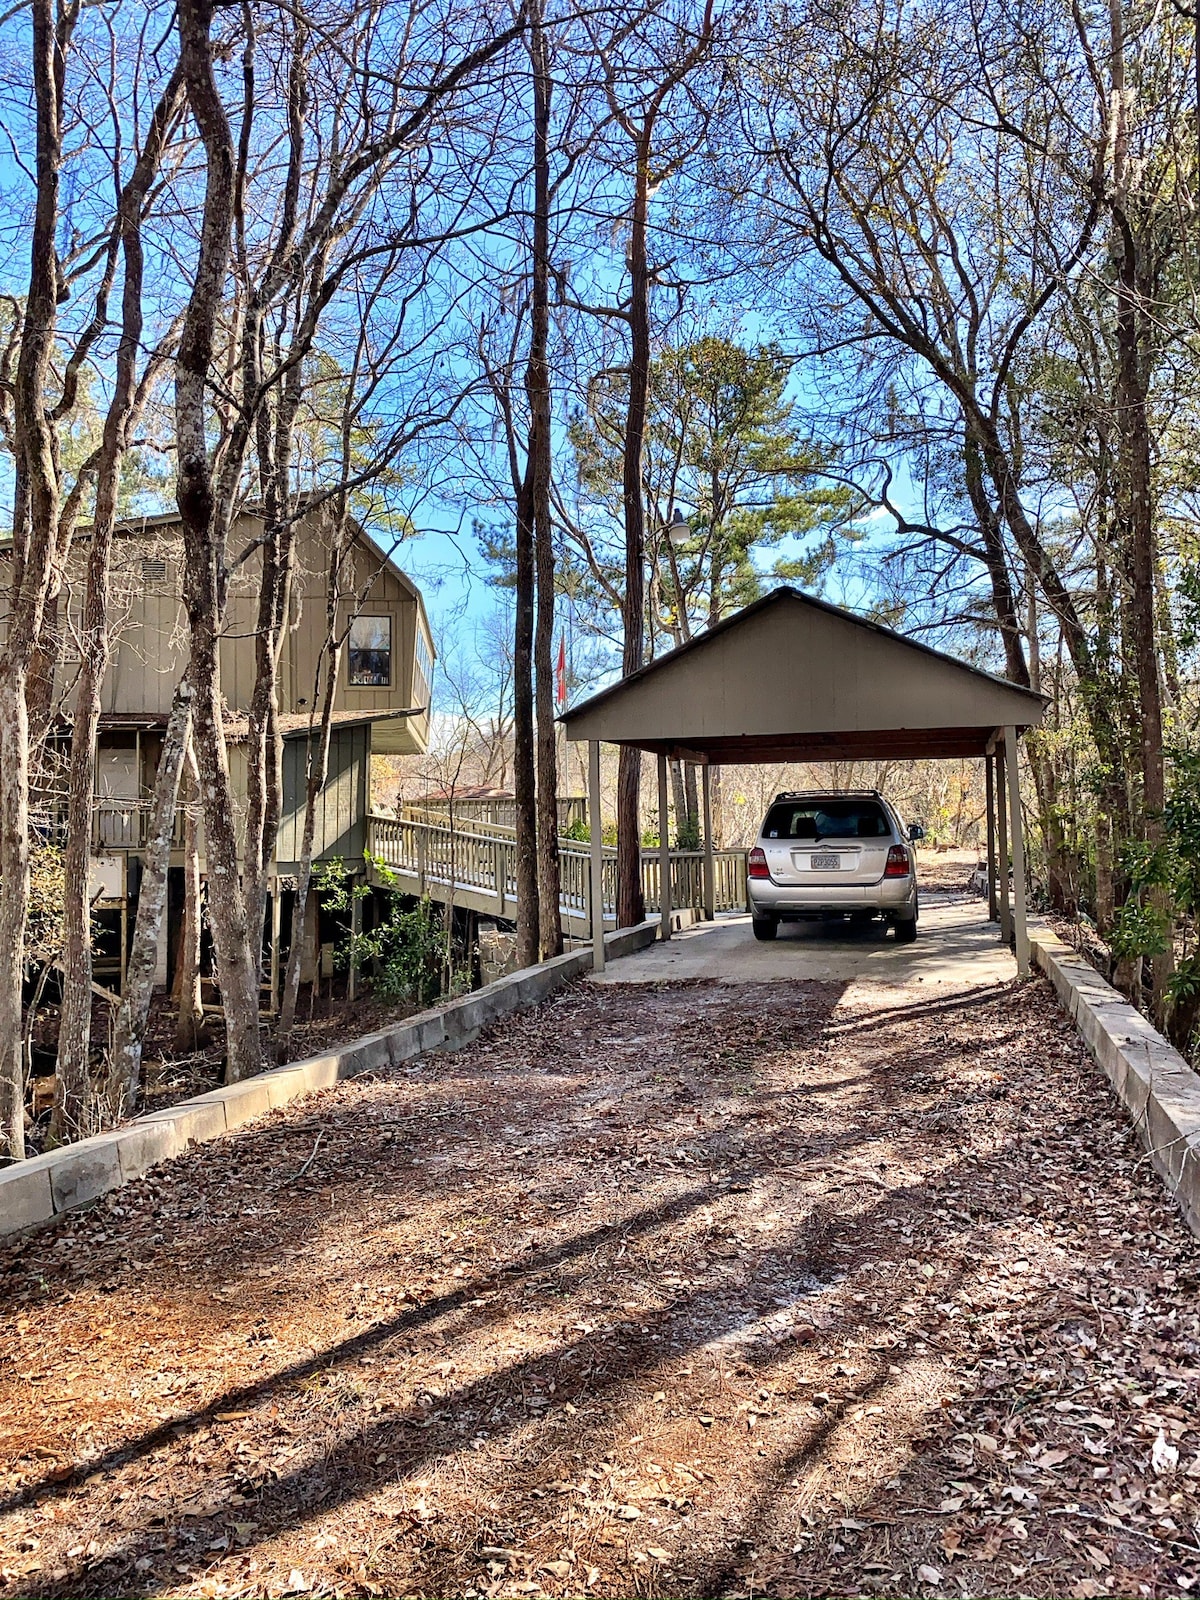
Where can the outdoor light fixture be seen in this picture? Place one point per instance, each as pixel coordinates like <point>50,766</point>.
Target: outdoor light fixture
<point>679,530</point>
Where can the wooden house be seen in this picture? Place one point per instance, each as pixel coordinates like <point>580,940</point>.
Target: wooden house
<point>381,704</point>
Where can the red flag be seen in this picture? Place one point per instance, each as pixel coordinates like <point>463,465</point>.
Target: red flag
<point>562,670</point>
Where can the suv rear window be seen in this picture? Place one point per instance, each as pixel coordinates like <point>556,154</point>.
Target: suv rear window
<point>826,819</point>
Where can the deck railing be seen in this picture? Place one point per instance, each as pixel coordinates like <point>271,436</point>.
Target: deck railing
<point>116,824</point>
<point>478,813</point>
<point>482,857</point>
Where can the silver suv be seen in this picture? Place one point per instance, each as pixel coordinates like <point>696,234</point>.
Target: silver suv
<point>827,855</point>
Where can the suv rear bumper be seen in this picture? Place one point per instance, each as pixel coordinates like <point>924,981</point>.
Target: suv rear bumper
<point>894,897</point>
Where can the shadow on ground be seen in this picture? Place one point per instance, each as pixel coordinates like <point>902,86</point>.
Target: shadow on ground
<point>689,1290</point>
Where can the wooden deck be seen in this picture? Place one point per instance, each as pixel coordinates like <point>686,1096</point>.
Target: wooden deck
<point>474,867</point>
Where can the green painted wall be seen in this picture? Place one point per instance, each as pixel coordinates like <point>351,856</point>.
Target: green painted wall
<point>342,808</point>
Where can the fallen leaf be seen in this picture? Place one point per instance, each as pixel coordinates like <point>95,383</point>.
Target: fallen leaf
<point>1164,1457</point>
<point>927,1574</point>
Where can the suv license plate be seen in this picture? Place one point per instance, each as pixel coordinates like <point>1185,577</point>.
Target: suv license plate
<point>826,863</point>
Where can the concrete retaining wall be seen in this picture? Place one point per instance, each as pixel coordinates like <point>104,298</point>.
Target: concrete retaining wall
<point>34,1192</point>
<point>1152,1080</point>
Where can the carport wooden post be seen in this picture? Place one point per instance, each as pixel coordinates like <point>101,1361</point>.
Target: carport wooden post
<point>595,856</point>
<point>710,882</point>
<point>989,770</point>
<point>664,850</point>
<point>1002,846</point>
<point>1018,850</point>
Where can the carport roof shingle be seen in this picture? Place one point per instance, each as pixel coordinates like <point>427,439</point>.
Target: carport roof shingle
<point>793,678</point>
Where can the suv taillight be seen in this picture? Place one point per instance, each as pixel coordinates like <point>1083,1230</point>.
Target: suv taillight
<point>897,862</point>
<point>756,864</point>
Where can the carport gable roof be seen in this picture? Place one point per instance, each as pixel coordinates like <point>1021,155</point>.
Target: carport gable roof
<point>793,678</point>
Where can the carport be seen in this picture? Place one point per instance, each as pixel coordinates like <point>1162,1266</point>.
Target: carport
<point>795,679</point>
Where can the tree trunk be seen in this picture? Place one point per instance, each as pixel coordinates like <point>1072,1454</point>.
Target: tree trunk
<point>537,387</point>
<point>125,1063</point>
<point>74,1032</point>
<point>631,902</point>
<point>1139,607</point>
<point>691,800</point>
<point>264,747</point>
<point>14,902</point>
<point>204,565</point>
<point>1134,362</point>
<point>678,794</point>
<point>1003,599</point>
<point>524,755</point>
<point>35,522</point>
<point>190,1015</point>
<point>1104,905</point>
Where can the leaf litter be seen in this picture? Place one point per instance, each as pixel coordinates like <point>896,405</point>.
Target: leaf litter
<point>788,1289</point>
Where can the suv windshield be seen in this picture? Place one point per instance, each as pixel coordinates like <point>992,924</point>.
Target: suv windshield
<point>826,818</point>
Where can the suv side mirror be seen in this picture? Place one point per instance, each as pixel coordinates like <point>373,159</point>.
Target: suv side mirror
<point>915,831</point>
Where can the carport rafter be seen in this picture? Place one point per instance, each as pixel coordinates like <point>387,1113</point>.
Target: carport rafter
<point>793,678</point>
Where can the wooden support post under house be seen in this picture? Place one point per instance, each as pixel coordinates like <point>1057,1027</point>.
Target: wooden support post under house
<point>355,931</point>
<point>276,936</point>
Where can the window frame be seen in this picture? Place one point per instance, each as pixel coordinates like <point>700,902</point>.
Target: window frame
<point>809,807</point>
<point>376,617</point>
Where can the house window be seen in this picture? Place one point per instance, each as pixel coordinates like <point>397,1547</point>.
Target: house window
<point>424,672</point>
<point>370,659</point>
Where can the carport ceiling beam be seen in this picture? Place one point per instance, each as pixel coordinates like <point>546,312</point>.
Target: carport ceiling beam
<point>897,744</point>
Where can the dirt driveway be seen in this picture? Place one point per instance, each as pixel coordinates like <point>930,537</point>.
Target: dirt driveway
<point>698,1289</point>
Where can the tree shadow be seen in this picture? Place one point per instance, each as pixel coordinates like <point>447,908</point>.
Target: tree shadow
<point>599,1368</point>
<point>497,1401</point>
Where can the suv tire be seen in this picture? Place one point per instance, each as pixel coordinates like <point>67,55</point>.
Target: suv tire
<point>906,930</point>
<point>765,928</point>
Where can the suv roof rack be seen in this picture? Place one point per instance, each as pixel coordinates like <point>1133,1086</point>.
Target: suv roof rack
<point>829,794</point>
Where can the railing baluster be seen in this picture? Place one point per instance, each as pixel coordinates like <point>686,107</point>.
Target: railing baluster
<point>481,856</point>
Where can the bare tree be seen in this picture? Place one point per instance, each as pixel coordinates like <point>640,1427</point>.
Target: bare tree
<point>129,394</point>
<point>537,385</point>
<point>35,521</point>
<point>202,517</point>
<point>641,71</point>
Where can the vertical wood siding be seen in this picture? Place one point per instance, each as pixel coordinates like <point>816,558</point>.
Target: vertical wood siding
<point>342,808</point>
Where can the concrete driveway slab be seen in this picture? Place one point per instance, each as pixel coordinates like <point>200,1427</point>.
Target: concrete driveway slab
<point>956,946</point>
